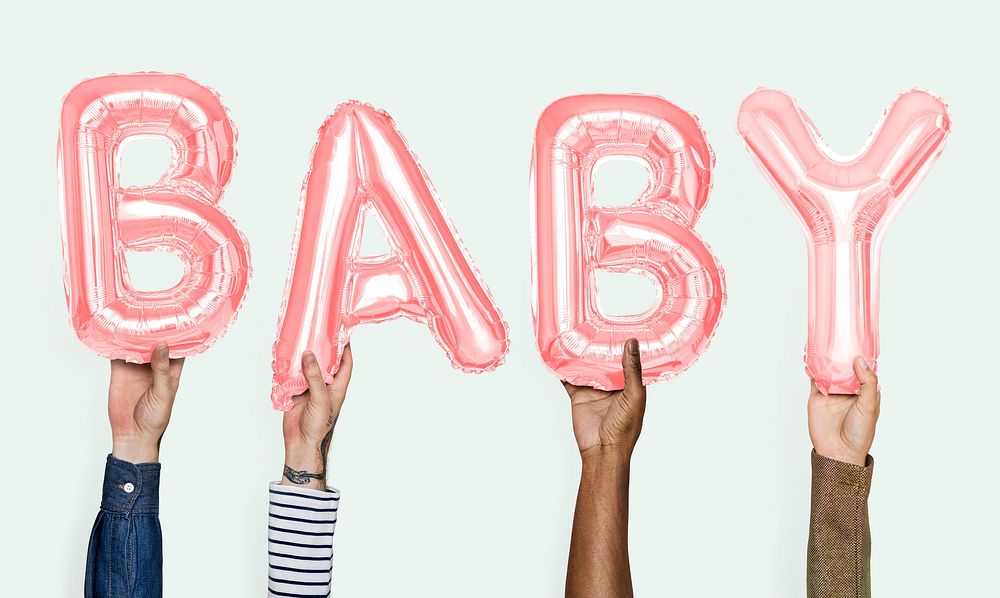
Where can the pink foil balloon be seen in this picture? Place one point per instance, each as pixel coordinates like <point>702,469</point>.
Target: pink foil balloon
<point>845,206</point>
<point>101,220</point>
<point>573,238</point>
<point>362,163</point>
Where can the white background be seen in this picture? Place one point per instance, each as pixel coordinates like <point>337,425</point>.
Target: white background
<point>463,485</point>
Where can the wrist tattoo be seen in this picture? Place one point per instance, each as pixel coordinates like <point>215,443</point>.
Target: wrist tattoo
<point>303,477</point>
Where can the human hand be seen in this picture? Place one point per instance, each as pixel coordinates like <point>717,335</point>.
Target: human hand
<point>140,400</point>
<point>607,423</point>
<point>842,427</point>
<point>308,426</point>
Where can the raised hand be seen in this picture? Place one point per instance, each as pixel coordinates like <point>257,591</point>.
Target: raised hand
<point>610,421</point>
<point>140,401</point>
<point>308,426</point>
<point>842,427</point>
<point>606,425</point>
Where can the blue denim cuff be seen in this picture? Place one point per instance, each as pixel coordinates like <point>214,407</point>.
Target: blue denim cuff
<point>131,488</point>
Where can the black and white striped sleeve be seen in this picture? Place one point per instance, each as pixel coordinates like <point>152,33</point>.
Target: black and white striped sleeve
<point>300,540</point>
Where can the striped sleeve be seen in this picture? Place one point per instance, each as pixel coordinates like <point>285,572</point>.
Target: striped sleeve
<point>300,540</point>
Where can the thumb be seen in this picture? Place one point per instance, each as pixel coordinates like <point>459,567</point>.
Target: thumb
<point>343,376</point>
<point>869,395</point>
<point>632,368</point>
<point>160,365</point>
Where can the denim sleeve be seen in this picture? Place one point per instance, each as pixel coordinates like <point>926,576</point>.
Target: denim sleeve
<point>125,557</point>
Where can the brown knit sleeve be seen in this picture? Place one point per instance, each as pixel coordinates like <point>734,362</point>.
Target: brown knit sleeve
<point>840,544</point>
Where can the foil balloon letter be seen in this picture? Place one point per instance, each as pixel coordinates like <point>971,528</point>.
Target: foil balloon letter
<point>654,237</point>
<point>361,163</point>
<point>179,214</point>
<point>845,206</point>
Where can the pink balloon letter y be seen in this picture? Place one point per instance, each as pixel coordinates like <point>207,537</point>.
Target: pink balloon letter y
<point>845,205</point>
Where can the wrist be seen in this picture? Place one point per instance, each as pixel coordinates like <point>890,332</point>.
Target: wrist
<point>298,478</point>
<point>135,450</point>
<point>606,457</point>
<point>304,467</point>
<point>606,471</point>
<point>844,456</point>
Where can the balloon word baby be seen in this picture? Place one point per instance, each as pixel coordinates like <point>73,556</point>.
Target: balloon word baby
<point>362,165</point>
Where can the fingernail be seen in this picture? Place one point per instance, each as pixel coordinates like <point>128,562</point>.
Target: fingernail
<point>863,363</point>
<point>162,349</point>
<point>310,359</point>
<point>633,347</point>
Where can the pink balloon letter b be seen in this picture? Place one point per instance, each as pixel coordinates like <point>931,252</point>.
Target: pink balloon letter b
<point>845,206</point>
<point>654,237</point>
<point>101,220</point>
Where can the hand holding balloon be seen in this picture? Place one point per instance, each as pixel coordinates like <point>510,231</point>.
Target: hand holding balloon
<point>608,422</point>
<point>607,425</point>
<point>308,425</point>
<point>140,401</point>
<point>842,427</point>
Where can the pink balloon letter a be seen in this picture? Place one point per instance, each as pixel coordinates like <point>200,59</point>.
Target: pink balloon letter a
<point>845,206</point>
<point>362,163</point>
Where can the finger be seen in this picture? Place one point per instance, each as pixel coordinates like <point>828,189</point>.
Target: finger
<point>164,384</point>
<point>632,367</point>
<point>297,402</point>
<point>343,376</point>
<point>868,395</point>
<point>176,367</point>
<point>119,367</point>
<point>314,376</point>
<point>571,390</point>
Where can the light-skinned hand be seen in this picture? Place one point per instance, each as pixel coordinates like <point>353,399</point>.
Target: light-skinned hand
<point>140,401</point>
<point>842,427</point>
<point>308,425</point>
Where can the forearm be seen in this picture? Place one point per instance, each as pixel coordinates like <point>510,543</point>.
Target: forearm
<point>598,556</point>
<point>125,556</point>
<point>300,530</point>
<point>839,554</point>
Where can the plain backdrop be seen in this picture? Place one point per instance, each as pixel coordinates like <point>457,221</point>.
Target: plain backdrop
<point>463,485</point>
